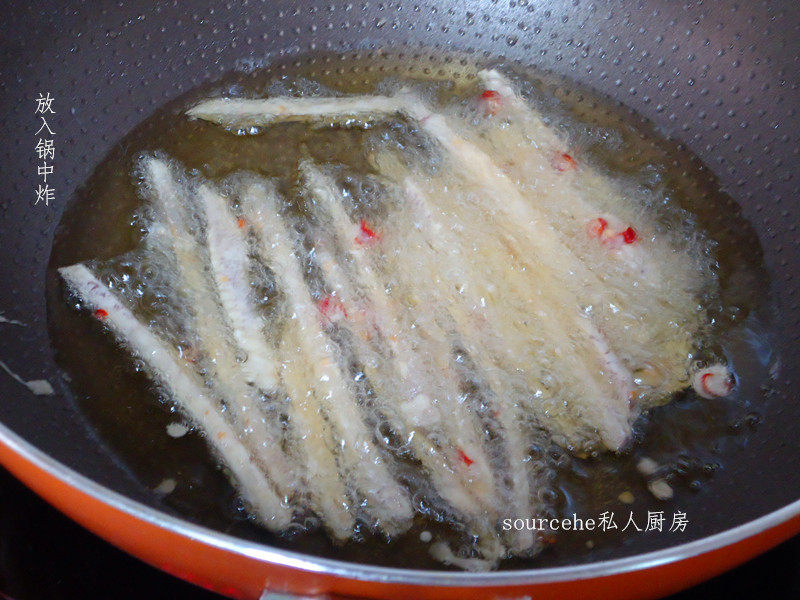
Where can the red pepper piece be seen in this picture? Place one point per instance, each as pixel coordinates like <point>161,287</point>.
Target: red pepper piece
<point>241,223</point>
<point>366,235</point>
<point>491,101</point>
<point>332,309</point>
<point>629,235</point>
<point>100,314</point>
<point>564,162</point>
<point>596,227</point>
<point>463,456</point>
<point>704,381</point>
<point>599,228</point>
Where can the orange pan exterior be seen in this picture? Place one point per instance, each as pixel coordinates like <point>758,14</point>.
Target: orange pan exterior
<point>246,570</point>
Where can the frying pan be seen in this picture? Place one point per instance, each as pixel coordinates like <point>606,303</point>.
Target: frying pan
<point>719,78</point>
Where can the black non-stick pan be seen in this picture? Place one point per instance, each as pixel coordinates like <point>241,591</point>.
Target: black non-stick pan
<point>718,80</point>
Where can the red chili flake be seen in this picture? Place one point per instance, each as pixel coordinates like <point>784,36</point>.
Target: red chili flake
<point>366,235</point>
<point>463,456</point>
<point>332,309</point>
<point>597,226</point>
<point>241,223</point>
<point>491,101</point>
<point>705,384</point>
<point>629,235</point>
<point>564,162</point>
<point>100,314</point>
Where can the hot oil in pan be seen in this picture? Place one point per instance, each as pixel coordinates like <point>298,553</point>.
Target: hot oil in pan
<point>690,438</point>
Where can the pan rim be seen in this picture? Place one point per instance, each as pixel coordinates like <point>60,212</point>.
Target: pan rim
<point>382,574</point>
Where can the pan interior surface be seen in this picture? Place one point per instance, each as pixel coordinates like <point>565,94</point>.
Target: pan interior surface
<point>691,439</point>
<point>716,80</point>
